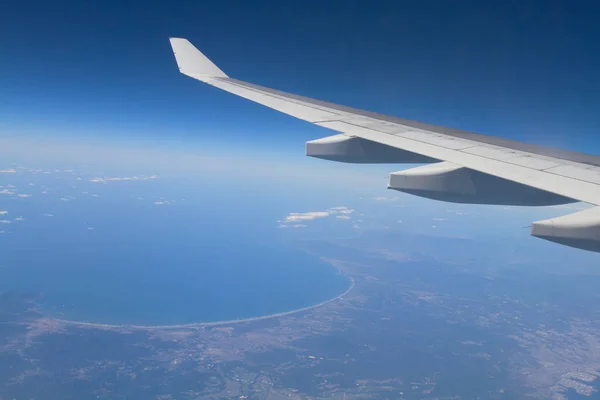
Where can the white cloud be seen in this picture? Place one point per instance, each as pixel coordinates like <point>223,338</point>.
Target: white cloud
<point>19,219</point>
<point>385,198</point>
<point>299,226</point>
<point>127,178</point>
<point>10,190</point>
<point>90,228</point>
<point>49,215</point>
<point>305,216</point>
<point>163,202</point>
<point>8,171</point>
<point>440,219</point>
<point>5,221</point>
<point>312,215</point>
<point>2,212</point>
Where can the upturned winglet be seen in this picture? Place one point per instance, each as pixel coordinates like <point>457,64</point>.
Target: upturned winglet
<point>192,62</point>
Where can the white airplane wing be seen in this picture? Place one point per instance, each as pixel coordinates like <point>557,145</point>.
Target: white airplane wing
<point>461,167</point>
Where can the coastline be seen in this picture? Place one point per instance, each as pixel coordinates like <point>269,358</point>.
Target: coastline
<point>207,324</point>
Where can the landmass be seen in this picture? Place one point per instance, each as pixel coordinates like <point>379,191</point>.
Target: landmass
<point>416,324</point>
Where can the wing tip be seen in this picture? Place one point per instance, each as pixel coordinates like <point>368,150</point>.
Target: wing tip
<point>193,62</point>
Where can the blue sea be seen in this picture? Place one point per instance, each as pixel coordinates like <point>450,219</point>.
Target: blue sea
<point>157,252</point>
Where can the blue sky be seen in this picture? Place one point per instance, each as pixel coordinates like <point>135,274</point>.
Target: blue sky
<point>104,70</point>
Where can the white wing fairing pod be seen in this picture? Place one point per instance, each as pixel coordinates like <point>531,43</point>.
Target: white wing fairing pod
<point>452,183</point>
<point>580,230</point>
<point>350,149</point>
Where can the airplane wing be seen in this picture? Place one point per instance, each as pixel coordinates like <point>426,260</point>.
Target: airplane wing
<point>460,166</point>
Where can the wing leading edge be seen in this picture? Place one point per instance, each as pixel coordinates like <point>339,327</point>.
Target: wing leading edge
<point>462,167</point>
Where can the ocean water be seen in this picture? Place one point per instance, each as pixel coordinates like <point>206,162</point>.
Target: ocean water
<point>206,254</point>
